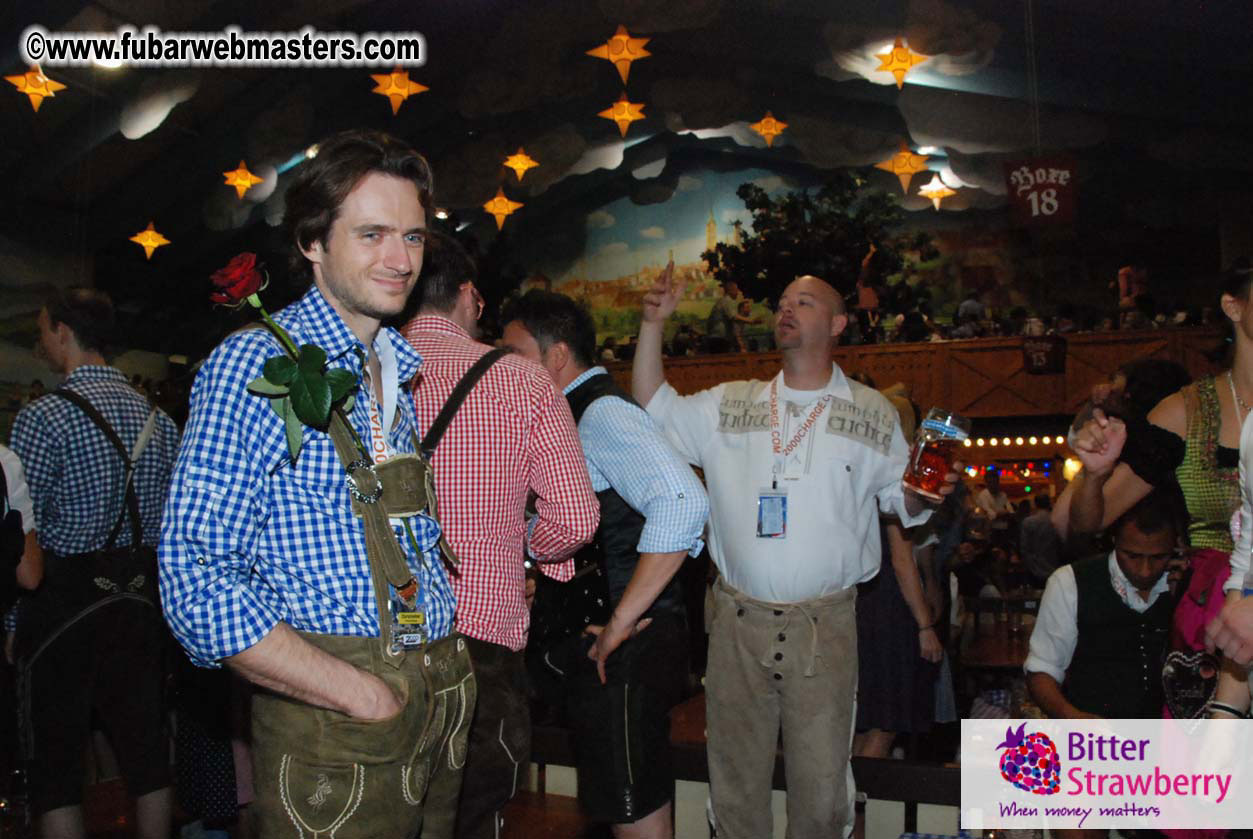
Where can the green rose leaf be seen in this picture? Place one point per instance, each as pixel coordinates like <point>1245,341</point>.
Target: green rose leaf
<point>312,358</point>
<point>311,397</point>
<point>261,386</point>
<point>342,383</point>
<point>279,370</point>
<point>279,405</point>
<point>295,431</point>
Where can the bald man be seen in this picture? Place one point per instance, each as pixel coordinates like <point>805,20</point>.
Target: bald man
<point>798,469</point>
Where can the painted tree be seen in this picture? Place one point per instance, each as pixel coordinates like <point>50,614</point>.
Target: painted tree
<point>825,232</point>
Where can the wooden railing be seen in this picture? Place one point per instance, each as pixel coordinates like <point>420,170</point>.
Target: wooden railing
<point>984,377</point>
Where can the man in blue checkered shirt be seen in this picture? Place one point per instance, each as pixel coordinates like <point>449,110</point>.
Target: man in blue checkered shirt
<point>90,641</point>
<point>264,565</point>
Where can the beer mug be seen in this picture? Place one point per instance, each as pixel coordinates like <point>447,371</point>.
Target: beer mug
<point>934,451</point>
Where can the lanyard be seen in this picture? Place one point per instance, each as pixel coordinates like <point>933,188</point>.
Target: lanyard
<point>782,452</point>
<point>379,449</point>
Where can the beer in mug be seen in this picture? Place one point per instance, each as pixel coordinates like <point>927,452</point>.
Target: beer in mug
<point>934,451</point>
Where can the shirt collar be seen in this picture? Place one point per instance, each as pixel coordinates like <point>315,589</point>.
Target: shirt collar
<point>1128,593</point>
<point>837,385</point>
<point>320,324</point>
<point>434,323</point>
<point>95,373</point>
<point>583,377</point>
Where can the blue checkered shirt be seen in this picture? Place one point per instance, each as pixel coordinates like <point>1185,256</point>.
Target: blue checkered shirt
<point>252,539</point>
<point>625,450</point>
<point>76,476</point>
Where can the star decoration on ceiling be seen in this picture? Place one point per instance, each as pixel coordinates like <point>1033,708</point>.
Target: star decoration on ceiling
<point>624,113</point>
<point>622,49</point>
<point>904,165</point>
<point>35,85</point>
<point>899,61</point>
<point>397,87</point>
<point>936,190</point>
<point>769,127</point>
<point>500,206</point>
<point>241,179</point>
<point>520,162</point>
<point>149,239</point>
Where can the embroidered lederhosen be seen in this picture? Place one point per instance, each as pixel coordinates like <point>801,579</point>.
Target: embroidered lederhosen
<point>321,773</point>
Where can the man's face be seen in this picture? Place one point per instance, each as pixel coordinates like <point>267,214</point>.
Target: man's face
<point>1143,557</point>
<point>518,340</point>
<point>373,252</point>
<point>51,346</point>
<point>807,315</point>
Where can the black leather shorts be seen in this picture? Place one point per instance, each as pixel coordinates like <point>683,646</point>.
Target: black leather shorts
<point>622,729</point>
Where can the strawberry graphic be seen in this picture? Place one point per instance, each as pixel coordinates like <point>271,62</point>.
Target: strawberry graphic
<point>1030,762</point>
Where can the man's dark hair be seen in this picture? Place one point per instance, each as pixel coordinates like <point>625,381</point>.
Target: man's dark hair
<point>446,266</point>
<point>1161,509</point>
<point>88,313</point>
<point>552,318</point>
<point>1043,502</point>
<point>314,198</point>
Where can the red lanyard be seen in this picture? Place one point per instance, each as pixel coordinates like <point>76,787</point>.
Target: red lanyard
<point>776,439</point>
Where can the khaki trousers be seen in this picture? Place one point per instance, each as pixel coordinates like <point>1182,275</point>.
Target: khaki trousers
<point>789,666</point>
<point>321,774</point>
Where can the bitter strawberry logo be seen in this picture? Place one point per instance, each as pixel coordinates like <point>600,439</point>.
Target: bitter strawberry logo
<point>1030,761</point>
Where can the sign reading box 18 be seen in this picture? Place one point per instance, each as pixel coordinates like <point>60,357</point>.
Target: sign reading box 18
<point>1042,190</point>
<point>1102,773</point>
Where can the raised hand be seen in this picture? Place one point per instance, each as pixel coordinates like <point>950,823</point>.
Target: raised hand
<point>1099,443</point>
<point>661,300</point>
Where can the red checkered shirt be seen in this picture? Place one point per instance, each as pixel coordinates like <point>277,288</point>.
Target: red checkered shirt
<point>513,434</point>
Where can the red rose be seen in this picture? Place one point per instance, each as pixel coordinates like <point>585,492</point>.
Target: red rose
<point>237,281</point>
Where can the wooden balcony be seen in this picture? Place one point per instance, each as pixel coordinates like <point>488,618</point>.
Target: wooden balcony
<point>984,377</point>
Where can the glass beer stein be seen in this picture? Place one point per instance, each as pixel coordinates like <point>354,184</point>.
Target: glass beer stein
<point>935,449</point>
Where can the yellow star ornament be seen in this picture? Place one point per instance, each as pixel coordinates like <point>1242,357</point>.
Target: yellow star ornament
<point>904,165</point>
<point>936,190</point>
<point>500,206</point>
<point>149,239</point>
<point>520,162</point>
<point>899,61</point>
<point>396,87</point>
<point>769,127</point>
<point>622,49</point>
<point>35,85</point>
<point>624,113</point>
<point>241,179</point>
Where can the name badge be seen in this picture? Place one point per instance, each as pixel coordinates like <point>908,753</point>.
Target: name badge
<point>772,514</point>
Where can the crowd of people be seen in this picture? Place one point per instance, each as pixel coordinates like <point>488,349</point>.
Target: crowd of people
<point>377,540</point>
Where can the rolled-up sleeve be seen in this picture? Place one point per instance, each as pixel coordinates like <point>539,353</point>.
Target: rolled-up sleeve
<point>213,515</point>
<point>1056,631</point>
<point>624,444</point>
<point>567,511</point>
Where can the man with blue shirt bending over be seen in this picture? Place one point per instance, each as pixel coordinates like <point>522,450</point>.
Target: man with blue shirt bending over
<point>652,512</point>
<point>329,594</point>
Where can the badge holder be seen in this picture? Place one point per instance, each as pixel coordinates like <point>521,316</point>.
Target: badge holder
<point>772,514</point>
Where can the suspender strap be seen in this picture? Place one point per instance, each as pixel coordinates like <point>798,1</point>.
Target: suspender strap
<point>132,500</point>
<point>458,395</point>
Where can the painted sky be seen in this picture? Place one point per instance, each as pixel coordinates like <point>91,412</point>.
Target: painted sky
<point>623,237</point>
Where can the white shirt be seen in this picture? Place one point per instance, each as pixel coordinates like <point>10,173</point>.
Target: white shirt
<point>1242,523</point>
<point>1057,626</point>
<point>995,506</point>
<point>18,491</point>
<point>838,479</point>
